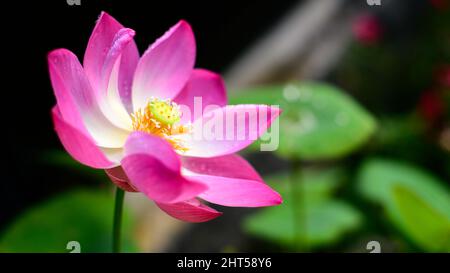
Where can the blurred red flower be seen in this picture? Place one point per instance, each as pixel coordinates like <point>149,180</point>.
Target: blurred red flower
<point>431,107</point>
<point>443,76</point>
<point>367,29</point>
<point>440,4</point>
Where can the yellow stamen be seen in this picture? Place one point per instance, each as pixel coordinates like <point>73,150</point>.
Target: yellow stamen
<point>160,118</point>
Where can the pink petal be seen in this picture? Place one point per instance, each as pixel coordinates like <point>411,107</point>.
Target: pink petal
<point>231,180</point>
<point>228,129</point>
<point>165,67</point>
<point>154,168</point>
<point>108,95</point>
<point>235,192</point>
<point>76,100</point>
<point>79,145</point>
<point>104,69</point>
<point>232,166</point>
<point>118,177</point>
<point>102,43</point>
<point>207,88</point>
<point>190,211</point>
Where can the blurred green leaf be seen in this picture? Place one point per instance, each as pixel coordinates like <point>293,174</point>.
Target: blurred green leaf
<point>320,223</point>
<point>316,183</point>
<point>428,227</point>
<point>409,196</point>
<point>318,122</point>
<point>308,215</point>
<point>85,216</point>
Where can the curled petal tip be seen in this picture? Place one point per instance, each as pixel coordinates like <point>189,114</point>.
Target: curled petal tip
<point>131,32</point>
<point>183,22</point>
<point>275,200</point>
<point>183,25</point>
<point>128,32</point>
<point>57,52</point>
<point>278,201</point>
<point>104,15</point>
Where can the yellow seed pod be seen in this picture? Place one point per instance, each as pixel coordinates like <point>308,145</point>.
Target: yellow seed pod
<point>164,111</point>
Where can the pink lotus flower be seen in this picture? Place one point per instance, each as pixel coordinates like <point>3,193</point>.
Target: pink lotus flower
<point>122,113</point>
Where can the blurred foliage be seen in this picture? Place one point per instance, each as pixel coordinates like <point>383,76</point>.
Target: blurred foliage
<point>309,217</point>
<point>416,202</point>
<point>312,216</point>
<point>322,224</point>
<point>62,160</point>
<point>428,227</point>
<point>388,77</point>
<point>403,78</point>
<point>85,216</point>
<point>318,122</point>
<point>401,136</point>
<point>317,183</point>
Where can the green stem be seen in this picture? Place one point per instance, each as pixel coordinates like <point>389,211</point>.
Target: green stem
<point>299,207</point>
<point>117,224</point>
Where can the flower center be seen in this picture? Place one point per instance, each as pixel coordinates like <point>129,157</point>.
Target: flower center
<point>160,118</point>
